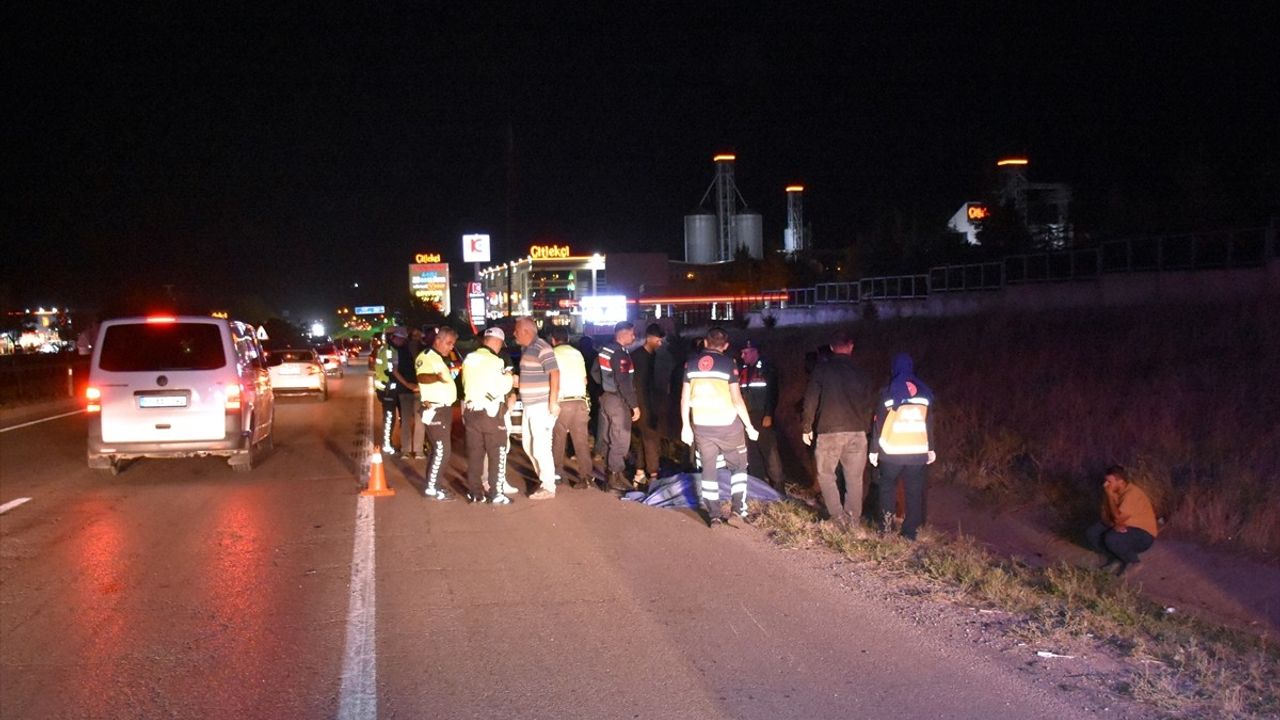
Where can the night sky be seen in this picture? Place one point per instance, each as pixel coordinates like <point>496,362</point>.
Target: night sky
<point>284,154</point>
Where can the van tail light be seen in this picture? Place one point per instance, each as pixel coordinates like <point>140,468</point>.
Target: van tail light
<point>94,397</point>
<point>233,396</point>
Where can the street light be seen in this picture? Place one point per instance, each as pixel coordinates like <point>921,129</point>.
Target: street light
<point>595,263</point>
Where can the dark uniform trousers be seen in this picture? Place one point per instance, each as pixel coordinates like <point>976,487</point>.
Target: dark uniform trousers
<point>486,440</point>
<point>762,455</point>
<point>729,442</point>
<point>650,442</point>
<point>439,429</point>
<point>615,417</point>
<point>572,423</point>
<point>390,402</point>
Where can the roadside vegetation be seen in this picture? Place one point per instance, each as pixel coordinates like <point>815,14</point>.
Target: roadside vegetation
<point>1182,666</point>
<point>1031,407</point>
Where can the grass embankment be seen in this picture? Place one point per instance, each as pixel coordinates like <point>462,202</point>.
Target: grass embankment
<point>1031,408</point>
<point>1184,667</point>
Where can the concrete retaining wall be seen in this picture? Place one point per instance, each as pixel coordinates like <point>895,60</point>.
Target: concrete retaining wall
<point>1125,290</point>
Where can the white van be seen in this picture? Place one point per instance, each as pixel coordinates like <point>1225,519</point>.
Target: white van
<point>184,386</point>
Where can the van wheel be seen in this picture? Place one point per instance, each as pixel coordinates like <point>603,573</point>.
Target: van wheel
<point>107,465</point>
<point>242,462</point>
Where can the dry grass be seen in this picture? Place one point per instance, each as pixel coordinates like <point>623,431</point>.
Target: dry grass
<point>1186,397</point>
<point>1183,666</point>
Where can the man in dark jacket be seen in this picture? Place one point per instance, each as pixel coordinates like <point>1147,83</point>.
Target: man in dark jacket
<point>758,379</point>
<point>837,406</point>
<point>643,358</point>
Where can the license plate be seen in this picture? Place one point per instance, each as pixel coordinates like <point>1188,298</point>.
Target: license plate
<point>162,401</point>
<point>290,370</point>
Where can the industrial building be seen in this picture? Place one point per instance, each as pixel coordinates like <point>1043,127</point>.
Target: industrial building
<point>1042,208</point>
<point>588,292</point>
<point>720,235</point>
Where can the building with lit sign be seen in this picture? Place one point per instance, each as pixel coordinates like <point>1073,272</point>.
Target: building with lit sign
<point>548,284</point>
<point>968,219</point>
<point>557,287</point>
<point>429,282</point>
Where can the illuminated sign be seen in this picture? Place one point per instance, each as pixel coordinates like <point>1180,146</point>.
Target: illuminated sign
<point>474,289</point>
<point>795,188</point>
<point>371,310</point>
<point>603,309</point>
<point>421,258</point>
<point>726,157</point>
<point>549,252</point>
<point>977,212</point>
<point>475,248</point>
<point>429,282</point>
<point>1011,161</point>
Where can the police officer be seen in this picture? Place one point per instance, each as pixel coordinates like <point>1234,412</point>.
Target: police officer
<point>385,383</point>
<point>438,392</point>
<point>758,379</point>
<point>575,409</point>
<point>486,398</point>
<point>713,418</point>
<point>619,406</point>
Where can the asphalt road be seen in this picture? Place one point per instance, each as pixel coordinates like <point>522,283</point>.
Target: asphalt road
<point>180,589</point>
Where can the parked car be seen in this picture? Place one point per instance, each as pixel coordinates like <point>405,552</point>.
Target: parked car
<point>334,360</point>
<point>176,387</point>
<point>297,370</point>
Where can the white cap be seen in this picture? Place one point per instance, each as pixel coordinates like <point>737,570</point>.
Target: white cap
<point>496,332</point>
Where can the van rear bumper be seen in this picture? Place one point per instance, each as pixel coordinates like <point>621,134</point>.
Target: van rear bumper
<point>235,441</point>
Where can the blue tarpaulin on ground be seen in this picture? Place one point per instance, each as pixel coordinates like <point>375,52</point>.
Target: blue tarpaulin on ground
<point>681,491</point>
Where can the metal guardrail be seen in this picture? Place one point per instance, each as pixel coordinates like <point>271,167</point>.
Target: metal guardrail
<point>895,287</point>
<point>954,278</point>
<point>33,377</point>
<point>1251,247</point>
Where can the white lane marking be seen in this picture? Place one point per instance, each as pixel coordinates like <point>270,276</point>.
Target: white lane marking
<point>41,420</point>
<point>12,504</point>
<point>358,694</point>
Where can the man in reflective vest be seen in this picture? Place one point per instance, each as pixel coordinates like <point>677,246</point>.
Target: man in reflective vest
<point>486,398</point>
<point>758,379</point>
<point>714,419</point>
<point>902,444</point>
<point>389,390</point>
<point>438,392</point>
<point>619,406</point>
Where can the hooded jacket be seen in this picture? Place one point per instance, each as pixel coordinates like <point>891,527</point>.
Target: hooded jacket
<point>903,429</point>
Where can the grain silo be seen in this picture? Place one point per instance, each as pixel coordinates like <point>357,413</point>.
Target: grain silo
<point>701,243</point>
<point>730,229</point>
<point>748,233</point>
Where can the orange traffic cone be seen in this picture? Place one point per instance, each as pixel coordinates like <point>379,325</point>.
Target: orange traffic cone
<point>377,478</point>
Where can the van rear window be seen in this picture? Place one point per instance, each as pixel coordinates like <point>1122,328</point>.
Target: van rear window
<point>162,346</point>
